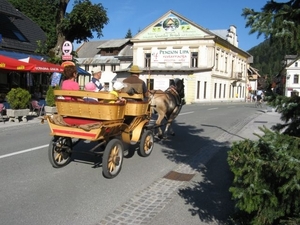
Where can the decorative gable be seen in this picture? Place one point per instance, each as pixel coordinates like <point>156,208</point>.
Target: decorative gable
<point>172,25</point>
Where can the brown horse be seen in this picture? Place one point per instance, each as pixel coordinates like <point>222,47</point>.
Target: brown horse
<point>167,104</point>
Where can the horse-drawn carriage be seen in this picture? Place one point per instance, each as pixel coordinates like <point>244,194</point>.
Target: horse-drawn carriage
<point>109,124</point>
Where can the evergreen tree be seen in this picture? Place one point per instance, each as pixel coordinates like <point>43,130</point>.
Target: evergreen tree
<point>128,35</point>
<point>278,21</point>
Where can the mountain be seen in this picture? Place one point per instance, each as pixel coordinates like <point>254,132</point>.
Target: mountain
<point>268,58</point>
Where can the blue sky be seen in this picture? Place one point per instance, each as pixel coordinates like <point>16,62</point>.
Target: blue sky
<point>213,15</point>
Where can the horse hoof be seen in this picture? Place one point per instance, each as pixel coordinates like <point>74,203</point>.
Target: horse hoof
<point>173,134</point>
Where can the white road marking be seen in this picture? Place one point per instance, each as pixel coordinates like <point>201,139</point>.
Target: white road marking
<point>212,108</point>
<point>186,113</point>
<point>23,151</point>
<point>44,146</point>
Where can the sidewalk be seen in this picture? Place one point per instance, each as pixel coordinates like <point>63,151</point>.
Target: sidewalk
<point>30,120</point>
<point>206,199</point>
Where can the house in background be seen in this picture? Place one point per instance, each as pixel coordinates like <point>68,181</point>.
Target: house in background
<point>19,38</point>
<point>212,65</point>
<point>107,55</point>
<point>292,75</point>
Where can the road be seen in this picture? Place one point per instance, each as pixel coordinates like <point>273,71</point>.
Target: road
<point>33,192</point>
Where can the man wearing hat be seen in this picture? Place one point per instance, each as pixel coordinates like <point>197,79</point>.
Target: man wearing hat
<point>134,82</point>
<point>96,79</point>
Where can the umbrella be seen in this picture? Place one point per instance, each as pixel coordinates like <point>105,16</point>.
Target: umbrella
<point>41,66</point>
<point>8,63</point>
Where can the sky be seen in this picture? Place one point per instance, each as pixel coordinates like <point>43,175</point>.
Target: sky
<point>213,15</point>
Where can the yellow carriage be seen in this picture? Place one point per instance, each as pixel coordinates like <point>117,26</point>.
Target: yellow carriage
<point>110,124</point>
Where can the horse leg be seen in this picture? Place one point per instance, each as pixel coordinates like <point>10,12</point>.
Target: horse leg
<point>158,124</point>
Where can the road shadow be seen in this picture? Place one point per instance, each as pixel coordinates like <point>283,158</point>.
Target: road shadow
<point>208,197</point>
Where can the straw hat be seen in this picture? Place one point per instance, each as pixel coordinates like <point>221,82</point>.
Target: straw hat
<point>90,87</point>
<point>97,71</point>
<point>118,85</point>
<point>67,63</point>
<point>135,69</point>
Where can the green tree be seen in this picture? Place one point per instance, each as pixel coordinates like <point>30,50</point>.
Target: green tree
<point>77,25</point>
<point>278,21</point>
<point>128,35</point>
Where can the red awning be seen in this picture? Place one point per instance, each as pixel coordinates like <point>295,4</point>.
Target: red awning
<point>41,66</point>
<point>8,63</point>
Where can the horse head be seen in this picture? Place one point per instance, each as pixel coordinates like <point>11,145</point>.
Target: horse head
<point>179,85</point>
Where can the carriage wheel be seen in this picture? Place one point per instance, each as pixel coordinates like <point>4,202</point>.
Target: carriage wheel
<point>59,151</point>
<point>146,143</point>
<point>112,158</point>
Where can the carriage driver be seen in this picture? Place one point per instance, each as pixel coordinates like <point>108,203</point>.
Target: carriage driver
<point>134,82</point>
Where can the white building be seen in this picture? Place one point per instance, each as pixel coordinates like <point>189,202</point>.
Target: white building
<point>292,84</point>
<point>212,65</point>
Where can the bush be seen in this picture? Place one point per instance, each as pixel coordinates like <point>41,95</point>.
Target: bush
<point>50,97</point>
<point>18,98</point>
<point>266,179</point>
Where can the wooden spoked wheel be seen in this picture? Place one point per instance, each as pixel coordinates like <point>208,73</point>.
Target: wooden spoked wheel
<point>146,143</point>
<point>112,158</point>
<point>60,151</point>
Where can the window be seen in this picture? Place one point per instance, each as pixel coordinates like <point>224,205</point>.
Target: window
<point>198,89</point>
<point>220,90</point>
<point>204,90</point>
<point>113,67</point>
<point>217,61</point>
<point>215,91</point>
<point>194,60</point>
<point>296,79</point>
<point>226,64</point>
<point>86,67</point>
<point>148,60</point>
<point>296,64</point>
<point>224,89</point>
<point>19,36</point>
<point>102,67</point>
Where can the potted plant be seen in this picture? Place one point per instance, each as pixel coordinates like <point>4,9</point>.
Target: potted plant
<point>50,107</point>
<point>18,100</point>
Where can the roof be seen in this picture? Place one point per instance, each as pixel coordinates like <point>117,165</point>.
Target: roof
<point>8,9</point>
<point>20,34</point>
<point>88,49</point>
<point>114,43</point>
<point>221,33</point>
<point>98,60</point>
<point>92,48</point>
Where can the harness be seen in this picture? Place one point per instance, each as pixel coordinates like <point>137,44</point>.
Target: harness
<point>175,93</point>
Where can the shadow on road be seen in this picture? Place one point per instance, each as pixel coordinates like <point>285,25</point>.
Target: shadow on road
<point>209,198</point>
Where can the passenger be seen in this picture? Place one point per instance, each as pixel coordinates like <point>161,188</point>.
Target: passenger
<point>70,75</point>
<point>96,79</point>
<point>90,87</point>
<point>134,83</point>
<point>117,88</point>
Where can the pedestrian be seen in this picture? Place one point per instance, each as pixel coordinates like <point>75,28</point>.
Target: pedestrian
<point>96,79</point>
<point>134,83</point>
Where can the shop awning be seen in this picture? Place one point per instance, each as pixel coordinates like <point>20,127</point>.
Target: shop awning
<point>82,71</point>
<point>8,63</point>
<point>43,67</point>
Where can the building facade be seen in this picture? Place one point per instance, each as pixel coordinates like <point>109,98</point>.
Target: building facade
<point>292,75</point>
<point>210,62</point>
<point>212,65</point>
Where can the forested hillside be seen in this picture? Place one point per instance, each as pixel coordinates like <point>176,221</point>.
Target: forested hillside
<point>267,58</point>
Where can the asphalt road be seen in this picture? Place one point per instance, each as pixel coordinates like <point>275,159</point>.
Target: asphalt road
<point>33,192</point>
